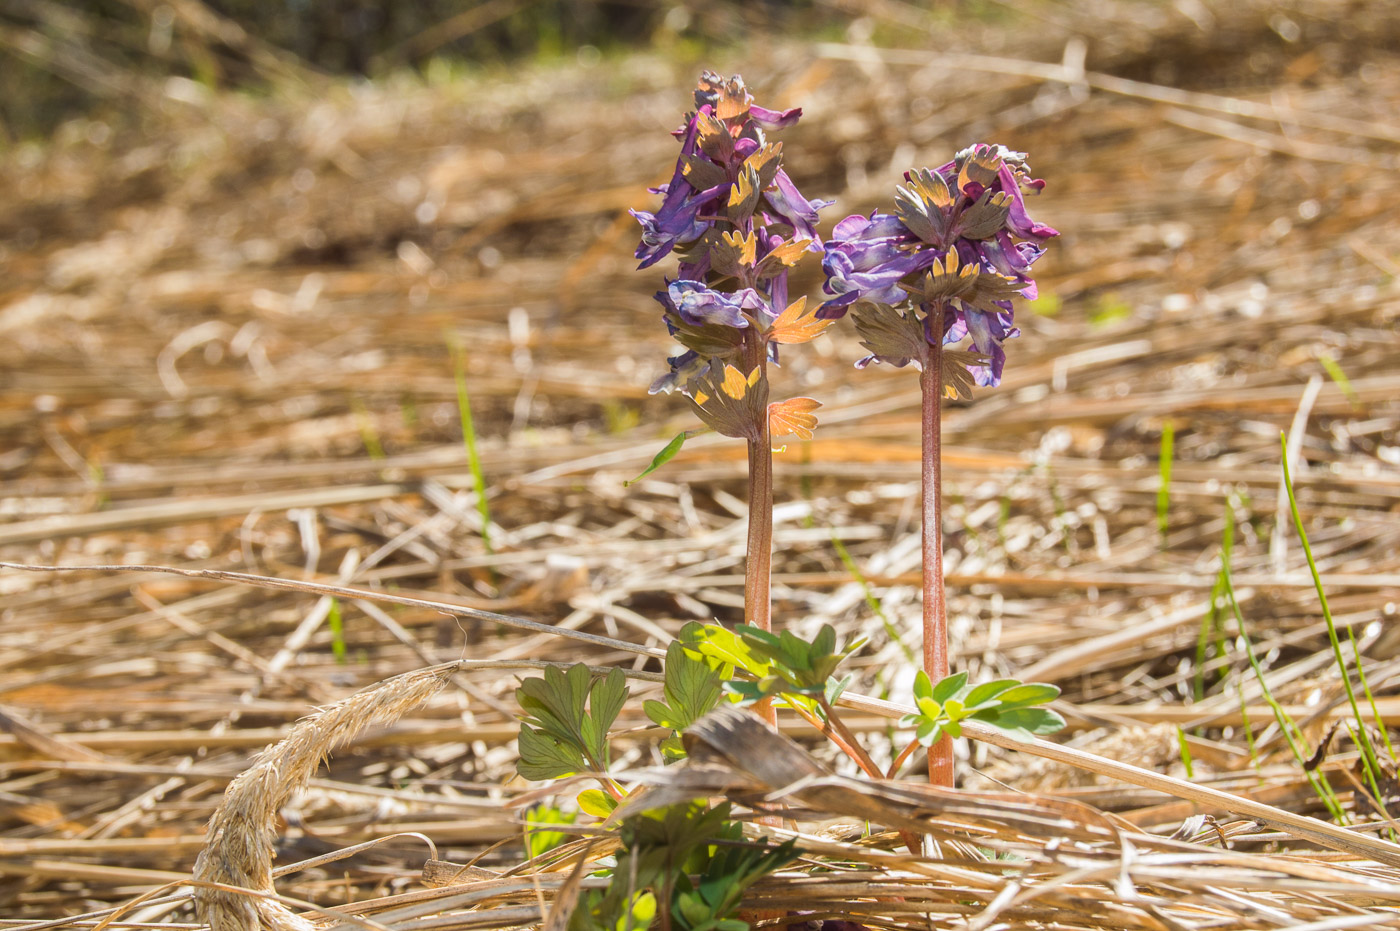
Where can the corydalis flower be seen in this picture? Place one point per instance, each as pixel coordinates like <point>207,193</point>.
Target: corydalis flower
<point>960,241</point>
<point>738,224</point>
<point>727,169</point>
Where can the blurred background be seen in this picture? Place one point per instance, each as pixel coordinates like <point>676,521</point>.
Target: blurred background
<point>257,261</point>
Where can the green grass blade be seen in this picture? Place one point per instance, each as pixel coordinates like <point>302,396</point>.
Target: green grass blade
<point>368,435</point>
<point>1248,730</point>
<point>1164,466</point>
<point>1290,731</point>
<point>1185,751</point>
<point>871,598</point>
<point>336,623</point>
<point>1334,372</point>
<point>464,410</point>
<point>1368,750</point>
<point>1210,625</point>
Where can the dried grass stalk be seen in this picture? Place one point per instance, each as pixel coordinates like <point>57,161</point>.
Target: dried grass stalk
<point>238,851</point>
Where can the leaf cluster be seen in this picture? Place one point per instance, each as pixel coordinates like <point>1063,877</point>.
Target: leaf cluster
<point>567,715</point>
<point>687,858</point>
<point>782,664</point>
<point>1009,705</point>
<point>539,838</point>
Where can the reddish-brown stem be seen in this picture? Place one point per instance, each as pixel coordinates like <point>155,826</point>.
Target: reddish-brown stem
<point>758,564</point>
<point>899,760</point>
<point>940,755</point>
<point>847,743</point>
<point>835,727</point>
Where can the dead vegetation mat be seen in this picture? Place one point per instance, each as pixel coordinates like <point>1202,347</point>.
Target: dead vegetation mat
<point>227,323</point>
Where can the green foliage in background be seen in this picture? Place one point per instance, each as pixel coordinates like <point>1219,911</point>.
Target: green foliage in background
<point>59,61</point>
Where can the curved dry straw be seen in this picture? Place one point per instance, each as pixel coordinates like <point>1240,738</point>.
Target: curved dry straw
<point>244,826</point>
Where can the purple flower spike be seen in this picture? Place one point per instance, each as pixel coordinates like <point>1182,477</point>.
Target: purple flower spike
<point>1019,222</point>
<point>723,145</point>
<point>684,367</point>
<point>960,240</point>
<point>738,224</point>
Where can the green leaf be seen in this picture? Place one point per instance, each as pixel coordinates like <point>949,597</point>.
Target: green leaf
<point>668,452</point>
<point>640,913</point>
<point>692,686</point>
<point>543,756</point>
<point>948,687</point>
<point>834,687</point>
<point>556,701</point>
<point>1031,720</point>
<point>747,692</point>
<point>725,647</point>
<point>558,736</point>
<point>923,688</point>
<point>928,732</point>
<point>605,701</point>
<point>760,639</point>
<point>693,908</point>
<point>1030,693</point>
<point>597,803</point>
<point>538,838</point>
<point>662,715</point>
<point>806,665</point>
<point>672,749</point>
<point>689,638</point>
<point>988,690</point>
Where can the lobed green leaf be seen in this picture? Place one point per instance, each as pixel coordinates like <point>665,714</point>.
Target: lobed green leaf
<point>543,756</point>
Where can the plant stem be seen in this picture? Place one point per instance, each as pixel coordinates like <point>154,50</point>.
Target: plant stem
<point>758,563</point>
<point>835,726</point>
<point>758,568</point>
<point>899,760</point>
<point>940,755</point>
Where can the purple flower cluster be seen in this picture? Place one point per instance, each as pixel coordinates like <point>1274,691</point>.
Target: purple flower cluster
<point>736,220</point>
<point>723,134</point>
<point>960,239</point>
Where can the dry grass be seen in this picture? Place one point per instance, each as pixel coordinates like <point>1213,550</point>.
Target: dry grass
<point>226,350</point>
